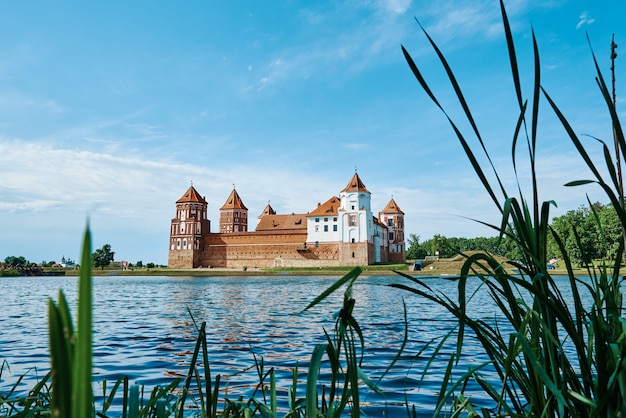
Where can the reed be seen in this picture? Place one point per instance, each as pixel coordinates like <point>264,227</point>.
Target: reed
<point>530,346</point>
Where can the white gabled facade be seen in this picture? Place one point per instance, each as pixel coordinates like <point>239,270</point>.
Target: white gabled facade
<point>323,224</point>
<point>348,220</point>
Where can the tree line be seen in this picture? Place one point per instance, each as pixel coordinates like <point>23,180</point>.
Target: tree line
<point>587,233</point>
<point>100,258</point>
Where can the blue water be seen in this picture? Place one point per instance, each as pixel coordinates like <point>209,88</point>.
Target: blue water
<point>143,328</point>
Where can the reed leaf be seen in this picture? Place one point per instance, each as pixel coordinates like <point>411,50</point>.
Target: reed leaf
<point>82,394</point>
<point>311,381</point>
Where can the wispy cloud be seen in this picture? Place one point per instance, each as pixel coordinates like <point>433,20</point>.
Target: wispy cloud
<point>584,20</point>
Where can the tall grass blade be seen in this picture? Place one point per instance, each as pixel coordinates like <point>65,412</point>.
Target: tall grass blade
<point>350,277</point>
<point>311,381</point>
<point>82,393</point>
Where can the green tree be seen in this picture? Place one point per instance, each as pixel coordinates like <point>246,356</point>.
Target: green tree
<point>415,250</point>
<point>102,257</point>
<point>139,264</point>
<point>612,230</point>
<point>16,261</point>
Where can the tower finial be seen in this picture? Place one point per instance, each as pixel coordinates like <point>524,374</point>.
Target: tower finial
<point>191,181</point>
<point>355,169</point>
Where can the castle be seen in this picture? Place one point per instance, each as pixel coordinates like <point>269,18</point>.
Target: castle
<point>339,232</point>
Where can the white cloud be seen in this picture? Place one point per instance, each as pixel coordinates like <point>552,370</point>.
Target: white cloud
<point>584,20</point>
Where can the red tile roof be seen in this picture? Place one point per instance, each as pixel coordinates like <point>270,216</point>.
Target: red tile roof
<point>328,208</point>
<point>234,202</point>
<point>282,222</point>
<point>191,196</point>
<point>392,207</point>
<point>355,185</point>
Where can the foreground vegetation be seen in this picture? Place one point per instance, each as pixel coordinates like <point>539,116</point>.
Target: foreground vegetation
<point>549,356</point>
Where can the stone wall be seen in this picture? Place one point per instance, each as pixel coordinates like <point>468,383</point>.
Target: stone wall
<point>181,259</point>
<point>261,250</point>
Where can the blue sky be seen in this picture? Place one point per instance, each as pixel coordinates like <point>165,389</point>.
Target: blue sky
<point>109,110</point>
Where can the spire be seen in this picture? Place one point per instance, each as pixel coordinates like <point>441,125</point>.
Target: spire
<point>191,195</point>
<point>234,201</point>
<point>355,184</point>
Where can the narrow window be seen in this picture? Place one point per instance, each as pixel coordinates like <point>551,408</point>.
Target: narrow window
<point>335,228</point>
<point>325,228</point>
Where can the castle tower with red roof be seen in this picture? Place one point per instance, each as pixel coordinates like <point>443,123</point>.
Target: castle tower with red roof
<point>233,215</point>
<point>393,217</point>
<point>187,230</point>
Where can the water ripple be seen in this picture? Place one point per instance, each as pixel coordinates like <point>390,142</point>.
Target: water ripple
<point>143,329</point>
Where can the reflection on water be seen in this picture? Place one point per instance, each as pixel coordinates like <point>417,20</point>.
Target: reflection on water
<point>143,328</point>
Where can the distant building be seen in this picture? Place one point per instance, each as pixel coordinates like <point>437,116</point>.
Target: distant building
<point>339,232</point>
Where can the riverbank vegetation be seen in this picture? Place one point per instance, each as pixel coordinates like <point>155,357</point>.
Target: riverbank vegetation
<point>552,357</point>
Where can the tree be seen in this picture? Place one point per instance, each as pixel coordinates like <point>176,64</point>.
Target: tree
<point>415,250</point>
<point>16,261</point>
<point>102,257</point>
<point>139,264</point>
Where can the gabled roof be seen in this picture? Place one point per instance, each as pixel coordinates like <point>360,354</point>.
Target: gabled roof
<point>328,208</point>
<point>267,211</point>
<point>355,185</point>
<point>282,222</point>
<point>191,196</point>
<point>234,202</point>
<point>392,207</point>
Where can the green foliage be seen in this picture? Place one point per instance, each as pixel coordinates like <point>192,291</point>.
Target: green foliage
<point>448,247</point>
<point>599,239</point>
<point>16,261</point>
<point>527,349</point>
<point>415,250</point>
<point>103,257</point>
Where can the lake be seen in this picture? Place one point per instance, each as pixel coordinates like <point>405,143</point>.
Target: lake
<point>143,328</point>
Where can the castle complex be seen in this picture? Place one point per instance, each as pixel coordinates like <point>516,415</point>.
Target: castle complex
<point>339,232</point>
